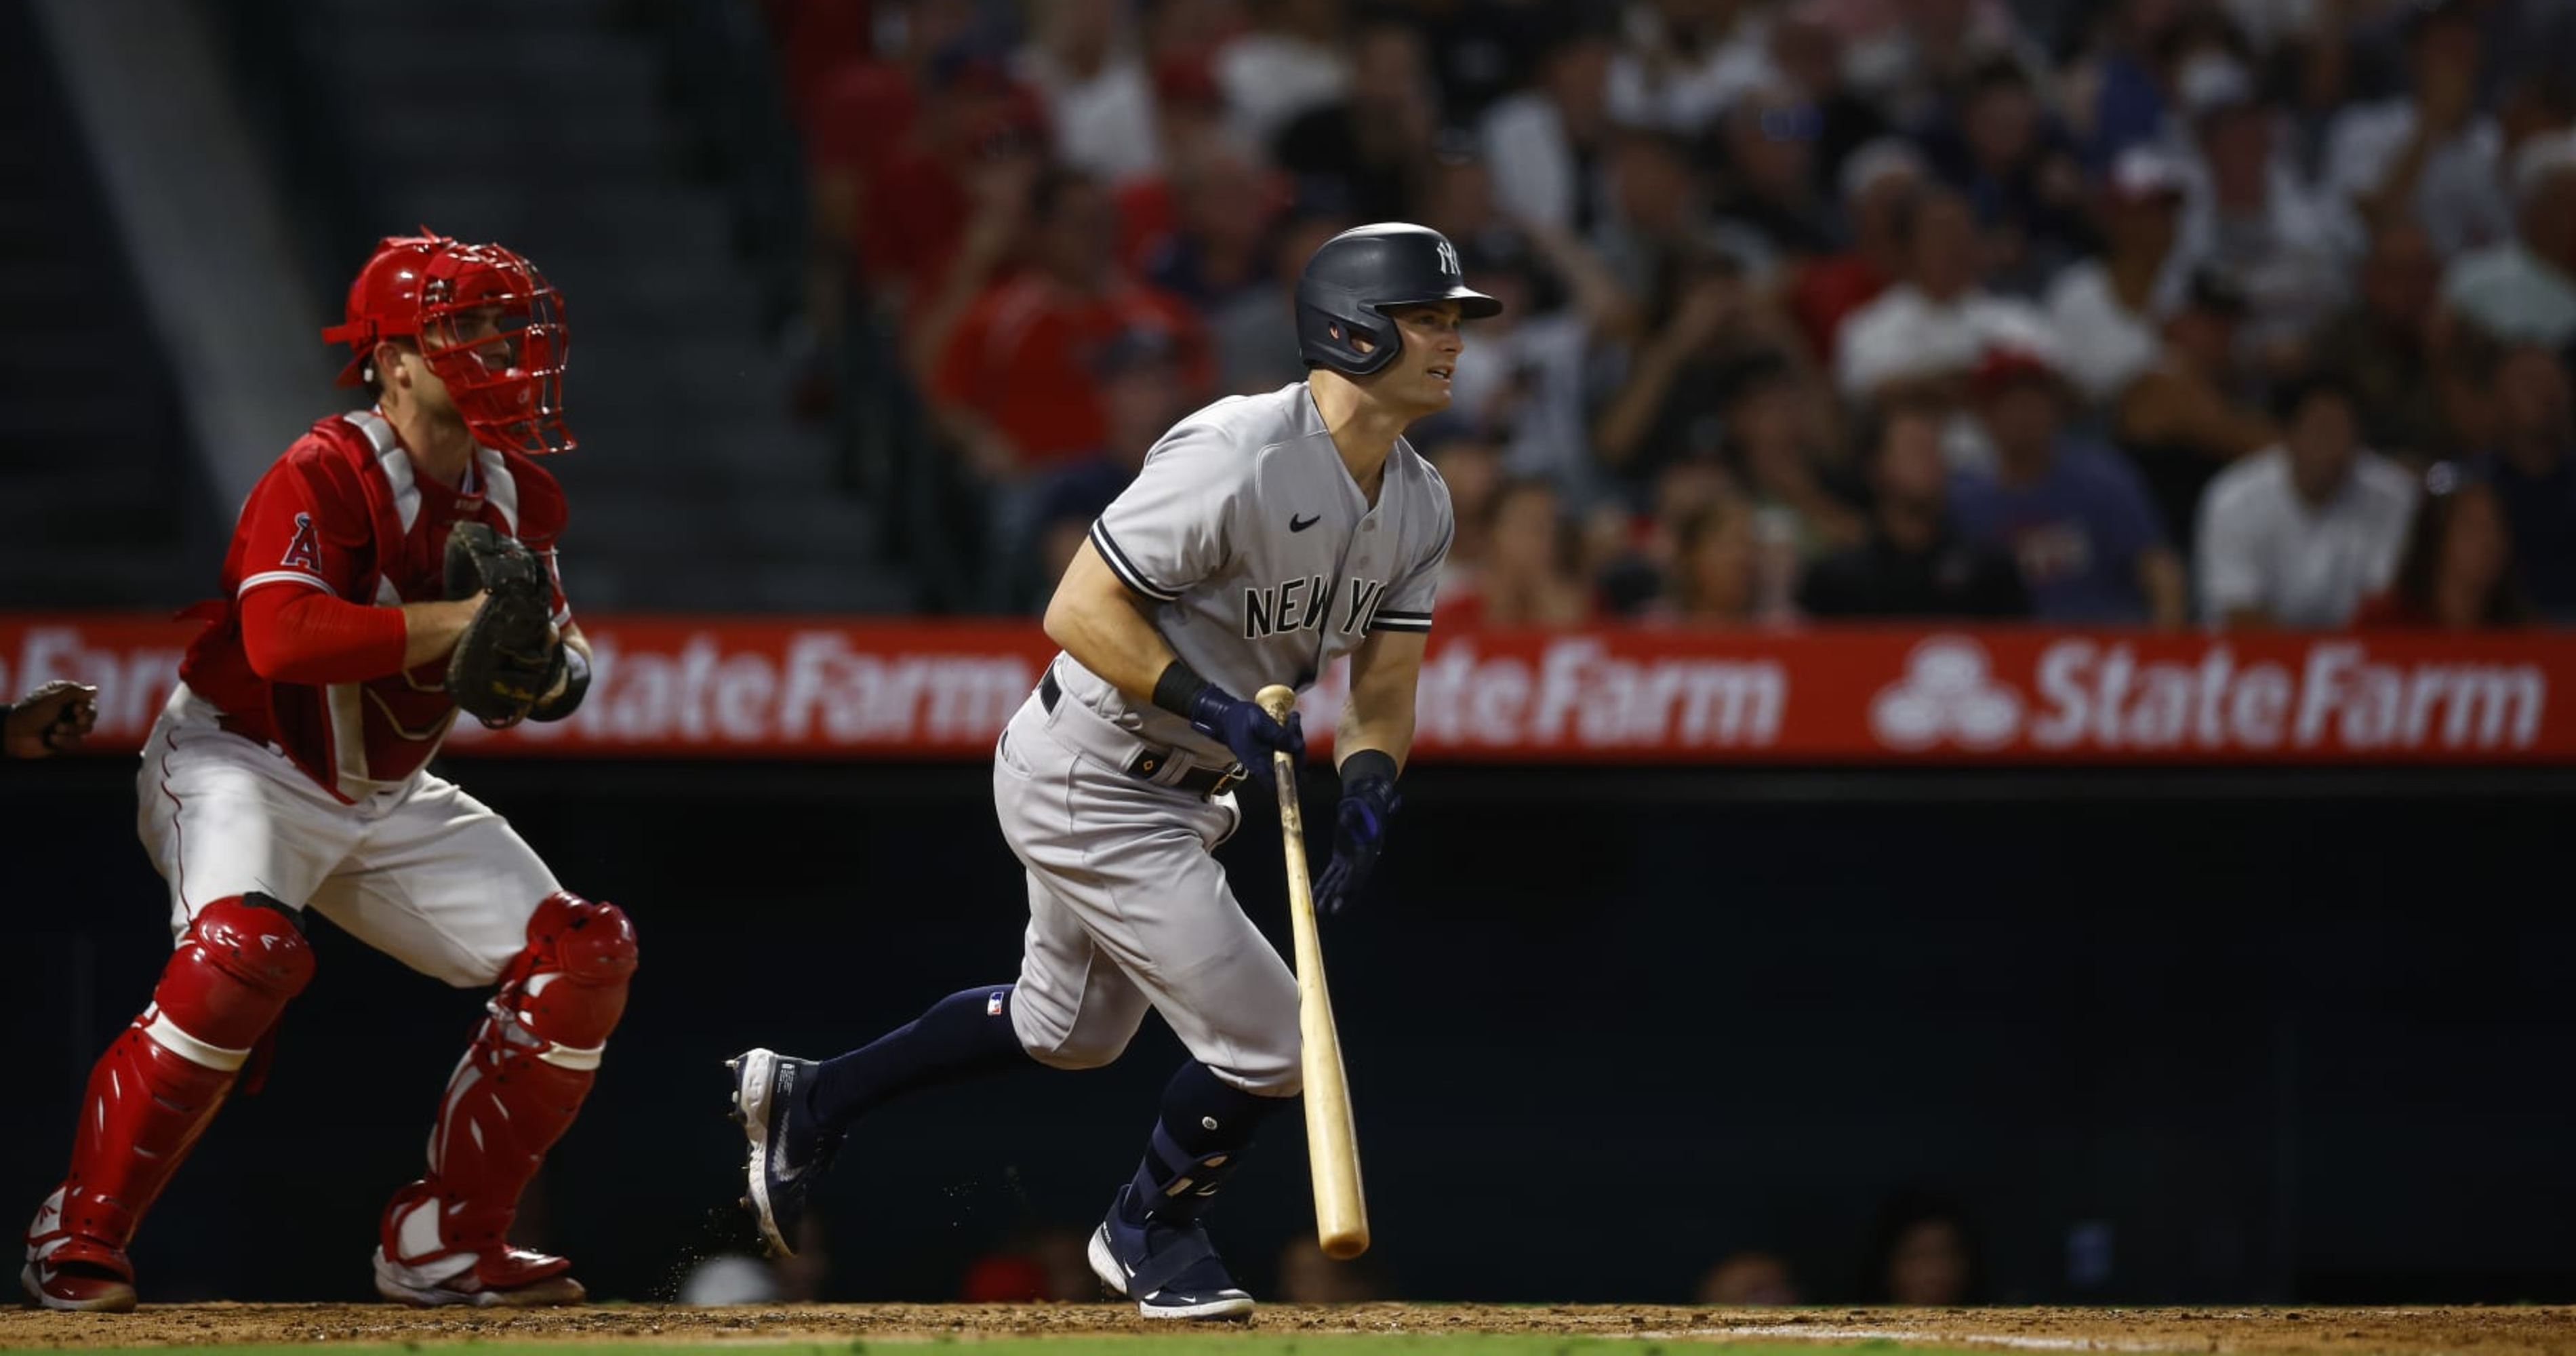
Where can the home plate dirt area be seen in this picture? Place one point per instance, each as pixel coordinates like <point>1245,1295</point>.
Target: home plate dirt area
<point>2476,1331</point>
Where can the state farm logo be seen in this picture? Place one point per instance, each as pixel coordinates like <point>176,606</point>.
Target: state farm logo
<point>1948,692</point>
<point>2094,695</point>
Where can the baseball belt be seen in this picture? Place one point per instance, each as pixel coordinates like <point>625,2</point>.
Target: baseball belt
<point>1201,780</point>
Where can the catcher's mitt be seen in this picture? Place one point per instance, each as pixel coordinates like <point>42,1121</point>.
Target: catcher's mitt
<point>508,653</point>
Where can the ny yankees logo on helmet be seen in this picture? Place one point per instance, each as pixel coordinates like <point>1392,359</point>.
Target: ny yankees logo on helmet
<point>1449,260</point>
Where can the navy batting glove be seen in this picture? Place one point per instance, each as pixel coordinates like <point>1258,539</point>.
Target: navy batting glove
<point>1248,730</point>
<point>1367,810</point>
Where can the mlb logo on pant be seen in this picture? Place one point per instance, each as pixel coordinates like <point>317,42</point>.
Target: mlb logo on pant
<point>993,1005</point>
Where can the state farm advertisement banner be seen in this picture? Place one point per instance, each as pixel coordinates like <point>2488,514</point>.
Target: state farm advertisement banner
<point>682,687</point>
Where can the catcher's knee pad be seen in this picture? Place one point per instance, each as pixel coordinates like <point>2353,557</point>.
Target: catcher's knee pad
<point>240,961</point>
<point>568,988</point>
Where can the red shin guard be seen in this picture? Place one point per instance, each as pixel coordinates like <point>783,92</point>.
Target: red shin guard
<point>515,1092</point>
<point>156,1089</point>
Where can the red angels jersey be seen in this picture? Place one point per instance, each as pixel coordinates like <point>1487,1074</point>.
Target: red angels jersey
<point>342,512</point>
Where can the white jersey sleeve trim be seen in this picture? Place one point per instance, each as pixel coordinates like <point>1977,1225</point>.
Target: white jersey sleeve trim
<point>283,577</point>
<point>1400,621</point>
<point>1126,571</point>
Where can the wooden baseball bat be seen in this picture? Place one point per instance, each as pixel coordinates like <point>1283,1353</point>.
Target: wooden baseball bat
<point>1332,1145</point>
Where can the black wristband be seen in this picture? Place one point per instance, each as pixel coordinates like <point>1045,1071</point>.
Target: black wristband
<point>1177,691</point>
<point>1367,763</point>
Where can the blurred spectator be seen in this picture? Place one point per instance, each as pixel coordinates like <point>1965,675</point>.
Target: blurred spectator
<point>1471,465</point>
<point>1189,110</point>
<point>1460,202</point>
<point>1658,221</point>
<point>2524,290</point>
<point>1142,394</point>
<point>1527,578</point>
<point>1669,401</point>
<point>1082,59</point>
<point>2104,311</point>
<point>2384,344</point>
<point>1682,61</point>
<point>1224,198</point>
<point>1179,28</point>
<point>1914,563</point>
<point>2253,215</point>
<point>2074,516</point>
<point>2002,147</point>
<point>1254,335</point>
<point>1809,55</point>
<point>2119,94</point>
<point>1034,1264</point>
<point>1748,1278</point>
<point>903,154</point>
<point>1766,140</point>
<point>1777,429</point>
<point>1290,61</point>
<point>1546,143</point>
<point>1908,56</point>
<point>1878,185</point>
<point>2297,535</point>
<point>1307,1276</point>
<point>1924,333</point>
<point>2457,571</point>
<point>2430,154</point>
<point>1376,144</point>
<point>2538,104</point>
<point>2533,470</point>
<point>1013,389</point>
<point>1721,576</point>
<point>1924,1252</point>
<point>1480,50</point>
<point>1524,374</point>
<point>2187,416</point>
<point>817,39</point>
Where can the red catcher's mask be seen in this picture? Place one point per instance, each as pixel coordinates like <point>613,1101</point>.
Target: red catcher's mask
<point>485,320</point>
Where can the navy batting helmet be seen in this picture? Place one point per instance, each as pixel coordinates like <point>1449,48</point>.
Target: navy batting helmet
<point>1357,275</point>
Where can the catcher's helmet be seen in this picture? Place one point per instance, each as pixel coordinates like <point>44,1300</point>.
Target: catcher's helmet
<point>505,379</point>
<point>1353,279</point>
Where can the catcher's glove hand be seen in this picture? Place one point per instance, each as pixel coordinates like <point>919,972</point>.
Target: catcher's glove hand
<point>509,653</point>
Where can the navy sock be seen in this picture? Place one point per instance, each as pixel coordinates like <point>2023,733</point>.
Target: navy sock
<point>1206,1124</point>
<point>965,1035</point>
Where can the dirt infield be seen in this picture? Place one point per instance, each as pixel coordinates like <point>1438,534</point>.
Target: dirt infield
<point>2517,1331</point>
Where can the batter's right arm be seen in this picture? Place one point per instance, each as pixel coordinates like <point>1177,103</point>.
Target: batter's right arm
<point>1097,621</point>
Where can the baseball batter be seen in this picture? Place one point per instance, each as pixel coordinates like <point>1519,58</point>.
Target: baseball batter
<point>287,774</point>
<point>1266,536</point>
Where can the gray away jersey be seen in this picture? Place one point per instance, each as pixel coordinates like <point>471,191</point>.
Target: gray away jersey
<point>1263,560</point>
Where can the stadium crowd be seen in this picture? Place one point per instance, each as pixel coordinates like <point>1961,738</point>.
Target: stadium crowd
<point>2160,312</point>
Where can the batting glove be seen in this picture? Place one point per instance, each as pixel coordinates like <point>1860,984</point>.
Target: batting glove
<point>1248,730</point>
<point>1368,807</point>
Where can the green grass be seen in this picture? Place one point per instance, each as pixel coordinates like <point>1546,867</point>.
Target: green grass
<point>1192,1342</point>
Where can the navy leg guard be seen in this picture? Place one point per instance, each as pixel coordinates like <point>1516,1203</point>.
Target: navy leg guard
<point>1205,1126</point>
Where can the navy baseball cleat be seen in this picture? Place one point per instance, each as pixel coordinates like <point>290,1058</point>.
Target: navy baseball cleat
<point>1168,1267</point>
<point>789,1153</point>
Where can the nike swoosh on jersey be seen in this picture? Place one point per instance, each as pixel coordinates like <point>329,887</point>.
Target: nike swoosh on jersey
<point>1297,524</point>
